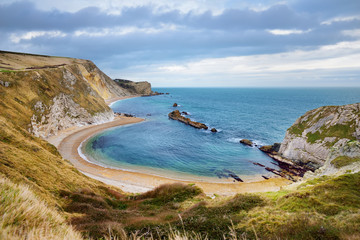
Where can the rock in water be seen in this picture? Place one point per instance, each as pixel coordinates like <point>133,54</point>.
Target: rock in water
<point>175,105</point>
<point>246,142</point>
<point>176,115</point>
<point>272,149</point>
<point>213,130</point>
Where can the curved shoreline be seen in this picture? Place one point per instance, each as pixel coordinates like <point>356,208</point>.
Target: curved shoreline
<point>178,178</point>
<point>69,143</point>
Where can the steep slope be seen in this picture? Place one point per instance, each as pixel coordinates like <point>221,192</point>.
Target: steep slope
<point>323,135</point>
<point>46,98</point>
<point>40,221</point>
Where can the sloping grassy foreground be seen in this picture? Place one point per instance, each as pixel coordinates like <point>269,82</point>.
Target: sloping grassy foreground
<point>24,216</point>
<point>42,196</point>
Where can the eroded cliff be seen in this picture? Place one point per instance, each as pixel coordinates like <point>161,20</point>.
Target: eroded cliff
<point>322,135</point>
<point>46,94</point>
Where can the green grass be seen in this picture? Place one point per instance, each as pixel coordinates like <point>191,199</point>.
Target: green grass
<point>343,161</point>
<point>313,137</point>
<point>6,70</point>
<point>170,193</point>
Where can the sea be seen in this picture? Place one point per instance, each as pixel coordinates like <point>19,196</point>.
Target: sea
<point>165,147</point>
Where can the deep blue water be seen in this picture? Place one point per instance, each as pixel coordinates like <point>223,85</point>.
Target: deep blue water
<point>166,147</point>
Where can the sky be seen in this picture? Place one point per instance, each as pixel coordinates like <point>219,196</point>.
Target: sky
<point>204,43</point>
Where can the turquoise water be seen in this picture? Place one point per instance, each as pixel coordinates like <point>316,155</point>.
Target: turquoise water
<point>169,148</point>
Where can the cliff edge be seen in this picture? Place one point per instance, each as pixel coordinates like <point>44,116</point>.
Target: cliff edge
<point>141,88</point>
<point>46,94</point>
<point>323,137</point>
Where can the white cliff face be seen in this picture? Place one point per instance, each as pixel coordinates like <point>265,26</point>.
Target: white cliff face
<point>61,114</point>
<point>323,134</point>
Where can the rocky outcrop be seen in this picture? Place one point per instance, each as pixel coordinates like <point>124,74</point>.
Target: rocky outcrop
<point>323,134</point>
<point>273,149</point>
<point>176,115</point>
<point>246,142</point>
<point>63,113</point>
<point>135,88</point>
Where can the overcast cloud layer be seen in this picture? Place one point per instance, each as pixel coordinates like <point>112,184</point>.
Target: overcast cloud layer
<point>196,43</point>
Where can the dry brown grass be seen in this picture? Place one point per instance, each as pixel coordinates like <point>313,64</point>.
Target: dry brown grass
<point>24,216</point>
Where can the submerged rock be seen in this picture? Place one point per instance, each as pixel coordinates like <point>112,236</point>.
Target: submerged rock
<point>176,115</point>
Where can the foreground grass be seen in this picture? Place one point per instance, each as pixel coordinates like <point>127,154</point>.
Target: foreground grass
<point>24,216</point>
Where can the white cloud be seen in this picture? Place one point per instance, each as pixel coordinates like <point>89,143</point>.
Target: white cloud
<point>340,19</point>
<point>173,68</point>
<point>16,38</point>
<point>352,33</point>
<point>338,62</point>
<point>119,31</point>
<point>286,31</point>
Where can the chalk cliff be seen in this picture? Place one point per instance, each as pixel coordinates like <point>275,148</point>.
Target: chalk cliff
<point>322,135</point>
<point>46,94</point>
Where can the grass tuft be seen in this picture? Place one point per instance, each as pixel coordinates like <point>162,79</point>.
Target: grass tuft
<point>24,216</point>
<point>343,161</point>
<point>167,193</point>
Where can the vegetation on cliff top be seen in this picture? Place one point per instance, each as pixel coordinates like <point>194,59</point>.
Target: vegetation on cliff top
<point>338,131</point>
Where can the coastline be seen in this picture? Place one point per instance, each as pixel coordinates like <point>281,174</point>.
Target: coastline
<point>69,141</point>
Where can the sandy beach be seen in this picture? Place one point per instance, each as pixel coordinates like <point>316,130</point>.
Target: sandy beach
<point>68,142</point>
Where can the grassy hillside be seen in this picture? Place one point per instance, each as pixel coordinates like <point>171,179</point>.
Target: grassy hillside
<point>44,197</point>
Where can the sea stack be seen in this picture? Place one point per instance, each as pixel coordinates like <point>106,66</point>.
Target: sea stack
<point>176,115</point>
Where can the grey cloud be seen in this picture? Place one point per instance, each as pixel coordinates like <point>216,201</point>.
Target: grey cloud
<point>328,8</point>
<point>232,33</point>
<point>23,15</point>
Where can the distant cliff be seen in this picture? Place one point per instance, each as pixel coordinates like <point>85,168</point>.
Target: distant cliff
<point>139,88</point>
<point>324,136</point>
<point>46,94</point>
